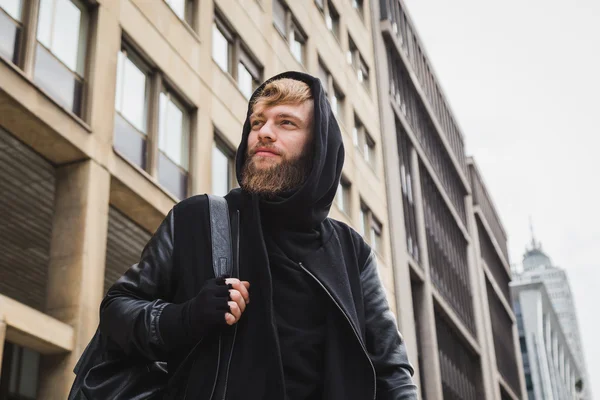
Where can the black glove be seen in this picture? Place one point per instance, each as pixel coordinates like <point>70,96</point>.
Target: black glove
<point>190,321</point>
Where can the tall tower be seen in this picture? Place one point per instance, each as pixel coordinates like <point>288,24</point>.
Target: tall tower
<point>538,267</point>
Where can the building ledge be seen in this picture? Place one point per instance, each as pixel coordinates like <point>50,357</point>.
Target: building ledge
<point>33,329</point>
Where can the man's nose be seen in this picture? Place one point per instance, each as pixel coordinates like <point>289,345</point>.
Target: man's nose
<point>267,133</point>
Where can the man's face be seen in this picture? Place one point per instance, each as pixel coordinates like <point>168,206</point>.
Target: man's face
<point>278,156</point>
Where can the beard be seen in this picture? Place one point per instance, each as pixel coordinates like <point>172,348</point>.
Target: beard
<point>270,181</point>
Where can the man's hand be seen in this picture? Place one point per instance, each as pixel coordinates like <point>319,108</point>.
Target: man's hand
<point>240,297</point>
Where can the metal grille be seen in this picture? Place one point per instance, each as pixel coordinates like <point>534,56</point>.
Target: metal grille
<point>27,184</point>
<point>447,250</point>
<point>489,255</point>
<point>407,182</point>
<point>392,11</point>
<point>124,245</point>
<point>409,103</point>
<point>504,345</point>
<point>482,199</point>
<point>504,394</point>
<point>461,374</point>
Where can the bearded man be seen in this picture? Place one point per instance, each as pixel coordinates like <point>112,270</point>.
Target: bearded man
<point>306,316</point>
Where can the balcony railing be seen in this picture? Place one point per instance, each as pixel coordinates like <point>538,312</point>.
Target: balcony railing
<point>482,199</point>
<point>489,255</point>
<point>461,374</point>
<point>504,345</point>
<point>410,105</point>
<point>403,32</point>
<point>447,250</point>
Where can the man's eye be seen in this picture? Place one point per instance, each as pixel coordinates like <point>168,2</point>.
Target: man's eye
<point>287,122</point>
<point>254,123</point>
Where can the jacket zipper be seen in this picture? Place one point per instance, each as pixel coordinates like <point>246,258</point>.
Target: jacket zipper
<point>237,273</point>
<point>349,323</point>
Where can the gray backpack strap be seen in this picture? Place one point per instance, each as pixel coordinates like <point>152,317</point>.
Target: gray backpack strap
<point>220,232</point>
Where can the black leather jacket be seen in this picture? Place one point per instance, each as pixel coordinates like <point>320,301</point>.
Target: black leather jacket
<point>131,311</point>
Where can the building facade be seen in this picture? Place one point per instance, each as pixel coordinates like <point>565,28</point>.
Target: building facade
<point>551,369</point>
<point>111,111</point>
<point>538,267</point>
<point>449,247</point>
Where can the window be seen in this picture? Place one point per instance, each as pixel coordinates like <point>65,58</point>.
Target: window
<point>290,29</point>
<point>233,57</point>
<point>11,29</point>
<point>184,9</point>
<point>161,148</point>
<point>332,17</point>
<point>131,104</point>
<point>223,169</point>
<point>173,144</point>
<point>20,372</point>
<point>60,52</point>
<point>342,197</point>
<point>356,60</point>
<point>336,97</point>
<point>363,141</point>
<point>376,235</point>
<point>359,6</point>
<point>221,48</point>
<point>371,229</point>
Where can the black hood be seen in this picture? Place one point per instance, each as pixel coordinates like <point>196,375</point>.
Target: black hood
<point>309,205</point>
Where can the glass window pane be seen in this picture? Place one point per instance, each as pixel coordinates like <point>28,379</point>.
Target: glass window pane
<point>172,177</point>
<point>13,372</point>
<point>324,77</point>
<point>57,80</point>
<point>221,176</point>
<point>129,142</point>
<point>10,35</point>
<point>296,48</point>
<point>245,81</point>
<point>178,6</point>
<point>45,22</point>
<point>279,17</point>
<point>65,33</point>
<point>134,95</point>
<point>355,136</point>
<point>172,138</point>
<point>12,8</point>
<point>339,197</point>
<point>334,105</point>
<point>220,50</point>
<point>29,373</point>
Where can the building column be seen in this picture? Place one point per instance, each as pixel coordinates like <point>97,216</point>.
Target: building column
<point>2,339</point>
<point>481,308</point>
<point>76,268</point>
<point>424,309</point>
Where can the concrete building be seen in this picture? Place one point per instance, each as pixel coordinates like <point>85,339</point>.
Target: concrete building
<point>538,267</point>
<point>551,369</point>
<point>449,247</point>
<point>113,110</point>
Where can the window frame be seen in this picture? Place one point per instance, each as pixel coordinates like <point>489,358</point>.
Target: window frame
<point>156,83</point>
<point>189,12</point>
<point>344,196</point>
<point>357,61</point>
<point>18,56</point>
<point>229,153</point>
<point>330,13</point>
<point>238,53</point>
<point>292,28</point>
<point>370,224</point>
<point>332,89</point>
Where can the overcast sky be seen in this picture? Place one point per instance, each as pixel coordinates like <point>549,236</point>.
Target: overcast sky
<point>523,80</point>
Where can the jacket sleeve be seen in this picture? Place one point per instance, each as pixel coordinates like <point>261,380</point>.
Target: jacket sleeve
<point>130,311</point>
<point>384,343</point>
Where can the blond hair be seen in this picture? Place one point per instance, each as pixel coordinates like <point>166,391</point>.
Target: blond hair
<point>282,91</point>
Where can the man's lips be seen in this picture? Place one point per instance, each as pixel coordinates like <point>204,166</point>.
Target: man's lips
<point>265,152</point>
